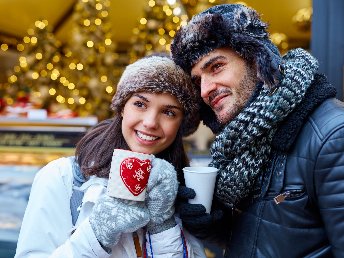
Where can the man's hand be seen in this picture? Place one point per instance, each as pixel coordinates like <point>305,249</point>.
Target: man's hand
<point>195,219</point>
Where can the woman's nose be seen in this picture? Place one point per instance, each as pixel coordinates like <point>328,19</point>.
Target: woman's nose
<point>150,120</point>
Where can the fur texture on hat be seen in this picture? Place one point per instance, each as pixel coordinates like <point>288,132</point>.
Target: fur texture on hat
<point>230,25</point>
<point>159,74</point>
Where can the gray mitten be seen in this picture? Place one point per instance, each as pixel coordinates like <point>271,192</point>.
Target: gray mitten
<point>160,196</point>
<point>111,217</point>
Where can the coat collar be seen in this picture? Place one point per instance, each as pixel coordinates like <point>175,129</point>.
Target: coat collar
<point>286,134</point>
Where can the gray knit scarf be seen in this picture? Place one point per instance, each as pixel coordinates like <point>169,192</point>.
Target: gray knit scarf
<point>242,148</point>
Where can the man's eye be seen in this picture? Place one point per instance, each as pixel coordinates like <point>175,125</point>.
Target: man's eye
<point>215,67</point>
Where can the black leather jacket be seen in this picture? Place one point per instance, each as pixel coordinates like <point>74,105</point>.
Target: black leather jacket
<point>301,210</point>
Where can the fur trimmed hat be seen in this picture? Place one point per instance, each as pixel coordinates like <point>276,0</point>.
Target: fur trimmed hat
<point>230,25</point>
<point>159,74</point>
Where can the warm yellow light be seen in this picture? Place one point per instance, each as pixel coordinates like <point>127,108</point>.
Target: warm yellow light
<point>101,49</point>
<point>149,47</point>
<point>39,56</point>
<point>168,47</point>
<point>151,3</point>
<point>104,14</point>
<point>60,99</point>
<point>20,47</point>
<point>35,75</point>
<point>143,21</point>
<point>22,59</point>
<point>99,6</point>
<point>162,41</point>
<point>161,31</point>
<point>4,47</point>
<point>97,21</point>
<point>16,69</point>
<point>33,40</point>
<point>136,31</point>
<point>183,23</point>
<point>171,2</point>
<point>9,101</point>
<point>103,78</point>
<point>79,66</point>
<point>55,71</point>
<point>26,39</point>
<point>172,33</point>
<point>56,58</point>
<point>37,94</point>
<point>87,22</point>
<point>68,54</point>
<point>90,43</point>
<point>108,42</point>
<point>71,86</point>
<point>52,91</point>
<point>12,79</point>
<point>70,101</point>
<point>72,66</point>
<point>75,92</point>
<point>175,19</point>
<point>82,100</point>
<point>62,79</point>
<point>44,73</point>
<point>109,89</point>
<point>31,32</point>
<point>169,12</point>
<point>50,66</point>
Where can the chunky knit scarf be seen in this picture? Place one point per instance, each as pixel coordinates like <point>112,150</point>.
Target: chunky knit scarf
<point>242,148</point>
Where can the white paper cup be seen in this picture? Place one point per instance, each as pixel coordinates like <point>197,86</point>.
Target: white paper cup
<point>202,180</point>
<point>129,175</point>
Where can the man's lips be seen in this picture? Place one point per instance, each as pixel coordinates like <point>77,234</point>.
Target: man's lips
<point>215,100</point>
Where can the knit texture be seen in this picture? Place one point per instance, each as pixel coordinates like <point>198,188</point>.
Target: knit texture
<point>161,193</point>
<point>111,217</point>
<point>242,148</point>
<point>157,74</point>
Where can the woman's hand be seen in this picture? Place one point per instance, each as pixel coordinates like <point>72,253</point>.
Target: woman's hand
<point>111,217</point>
<point>161,194</point>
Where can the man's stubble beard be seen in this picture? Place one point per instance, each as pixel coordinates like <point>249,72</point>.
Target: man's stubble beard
<point>246,88</point>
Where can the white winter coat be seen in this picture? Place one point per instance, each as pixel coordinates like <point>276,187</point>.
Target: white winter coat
<point>47,223</point>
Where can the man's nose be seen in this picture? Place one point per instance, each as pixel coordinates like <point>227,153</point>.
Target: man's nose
<point>207,86</point>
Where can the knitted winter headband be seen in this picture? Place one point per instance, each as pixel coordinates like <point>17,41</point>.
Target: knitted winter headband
<point>157,74</point>
<point>229,25</point>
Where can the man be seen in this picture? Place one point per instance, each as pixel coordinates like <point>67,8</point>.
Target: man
<point>279,145</point>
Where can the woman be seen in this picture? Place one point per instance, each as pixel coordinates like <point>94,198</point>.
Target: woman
<point>155,106</point>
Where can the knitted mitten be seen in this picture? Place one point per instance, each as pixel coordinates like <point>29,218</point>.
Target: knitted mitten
<point>160,196</point>
<point>112,216</point>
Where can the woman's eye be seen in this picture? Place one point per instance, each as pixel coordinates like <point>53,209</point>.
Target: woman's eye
<point>139,104</point>
<point>169,113</point>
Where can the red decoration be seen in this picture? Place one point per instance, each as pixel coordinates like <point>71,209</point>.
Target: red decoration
<point>135,173</point>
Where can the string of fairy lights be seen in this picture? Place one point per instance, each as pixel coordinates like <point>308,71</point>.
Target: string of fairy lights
<point>81,75</point>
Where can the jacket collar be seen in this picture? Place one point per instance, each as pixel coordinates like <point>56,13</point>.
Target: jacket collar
<point>286,134</point>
